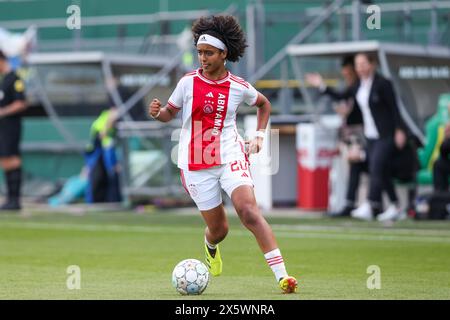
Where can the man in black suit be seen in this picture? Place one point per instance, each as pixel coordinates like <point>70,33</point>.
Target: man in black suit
<point>384,129</point>
<point>350,135</point>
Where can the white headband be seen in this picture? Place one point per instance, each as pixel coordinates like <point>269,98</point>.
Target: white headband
<point>213,41</point>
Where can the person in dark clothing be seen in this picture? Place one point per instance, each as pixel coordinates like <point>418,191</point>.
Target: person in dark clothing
<point>352,115</point>
<point>12,104</point>
<point>101,160</point>
<point>384,129</point>
<point>350,133</point>
<point>441,167</point>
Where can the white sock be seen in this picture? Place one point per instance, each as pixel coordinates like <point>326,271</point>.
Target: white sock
<point>276,263</point>
<point>211,246</point>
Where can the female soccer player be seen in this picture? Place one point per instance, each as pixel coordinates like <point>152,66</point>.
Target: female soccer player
<point>211,153</point>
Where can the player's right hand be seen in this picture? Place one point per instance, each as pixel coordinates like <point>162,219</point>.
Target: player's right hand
<point>155,107</point>
<point>253,146</point>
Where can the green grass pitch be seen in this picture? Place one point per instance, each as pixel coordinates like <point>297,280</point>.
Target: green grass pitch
<point>125,255</point>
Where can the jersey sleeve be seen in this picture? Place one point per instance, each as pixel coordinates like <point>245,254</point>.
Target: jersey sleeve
<point>250,95</point>
<point>18,89</point>
<point>176,98</point>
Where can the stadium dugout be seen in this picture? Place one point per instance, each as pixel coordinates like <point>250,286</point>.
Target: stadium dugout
<point>420,75</point>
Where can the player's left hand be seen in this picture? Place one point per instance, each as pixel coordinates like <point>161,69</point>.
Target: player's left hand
<point>255,145</point>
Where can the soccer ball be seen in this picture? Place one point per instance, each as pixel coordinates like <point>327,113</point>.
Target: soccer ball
<point>190,277</point>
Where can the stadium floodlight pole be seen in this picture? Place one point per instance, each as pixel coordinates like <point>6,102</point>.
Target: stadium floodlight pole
<point>255,17</point>
<point>300,37</point>
<point>433,34</point>
<point>356,20</point>
<point>407,24</point>
<point>251,38</point>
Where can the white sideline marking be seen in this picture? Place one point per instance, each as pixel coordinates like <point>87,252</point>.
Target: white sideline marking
<point>178,229</point>
<point>356,229</point>
<point>364,237</point>
<point>89,227</point>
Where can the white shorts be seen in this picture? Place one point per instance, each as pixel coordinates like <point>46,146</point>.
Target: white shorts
<point>204,186</point>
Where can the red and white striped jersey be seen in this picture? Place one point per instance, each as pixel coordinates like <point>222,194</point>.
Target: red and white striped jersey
<point>209,135</point>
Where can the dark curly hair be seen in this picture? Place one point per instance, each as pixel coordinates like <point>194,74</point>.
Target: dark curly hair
<point>227,29</point>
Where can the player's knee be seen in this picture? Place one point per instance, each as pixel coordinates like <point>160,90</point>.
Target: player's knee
<point>249,215</point>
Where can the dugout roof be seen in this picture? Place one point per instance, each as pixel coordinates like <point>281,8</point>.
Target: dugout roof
<point>419,73</point>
